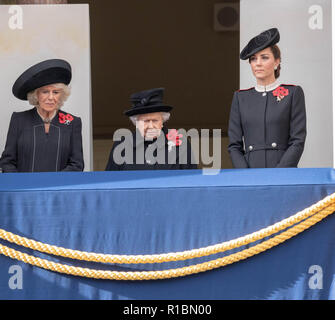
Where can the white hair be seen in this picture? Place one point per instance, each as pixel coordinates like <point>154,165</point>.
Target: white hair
<point>165,116</point>
<point>66,91</point>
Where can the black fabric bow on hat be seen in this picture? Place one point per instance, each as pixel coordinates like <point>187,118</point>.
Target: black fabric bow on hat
<point>150,97</point>
<point>147,101</point>
<point>265,39</point>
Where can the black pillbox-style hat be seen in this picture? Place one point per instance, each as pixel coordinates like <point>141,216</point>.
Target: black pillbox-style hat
<point>147,101</point>
<point>265,39</point>
<point>42,74</point>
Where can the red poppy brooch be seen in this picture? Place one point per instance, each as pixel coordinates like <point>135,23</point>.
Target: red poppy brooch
<point>65,118</point>
<point>280,93</point>
<point>174,139</point>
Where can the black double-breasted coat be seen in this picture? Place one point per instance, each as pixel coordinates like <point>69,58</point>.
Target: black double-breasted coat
<point>30,149</point>
<point>266,131</point>
<point>173,157</point>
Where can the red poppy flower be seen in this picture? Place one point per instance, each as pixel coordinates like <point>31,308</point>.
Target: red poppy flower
<point>280,93</point>
<point>61,117</point>
<point>69,117</point>
<point>174,136</point>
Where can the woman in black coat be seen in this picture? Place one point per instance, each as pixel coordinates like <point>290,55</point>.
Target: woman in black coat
<point>43,139</point>
<point>151,146</point>
<point>267,125</point>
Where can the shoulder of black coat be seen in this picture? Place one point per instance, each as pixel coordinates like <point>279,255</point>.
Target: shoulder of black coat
<point>23,115</point>
<point>288,85</point>
<point>75,121</point>
<point>65,112</point>
<point>243,90</point>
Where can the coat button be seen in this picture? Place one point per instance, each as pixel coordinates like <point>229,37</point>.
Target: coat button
<point>274,145</point>
<point>251,148</point>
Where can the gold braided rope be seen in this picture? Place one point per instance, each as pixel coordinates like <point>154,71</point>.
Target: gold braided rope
<point>327,203</point>
<point>172,273</point>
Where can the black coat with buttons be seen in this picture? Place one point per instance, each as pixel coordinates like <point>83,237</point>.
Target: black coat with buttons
<point>144,155</point>
<point>267,132</point>
<point>30,149</point>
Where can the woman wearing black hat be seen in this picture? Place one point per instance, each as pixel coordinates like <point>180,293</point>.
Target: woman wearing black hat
<point>152,146</point>
<point>267,125</point>
<point>43,139</point>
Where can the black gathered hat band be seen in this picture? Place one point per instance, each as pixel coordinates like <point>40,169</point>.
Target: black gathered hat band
<point>149,101</point>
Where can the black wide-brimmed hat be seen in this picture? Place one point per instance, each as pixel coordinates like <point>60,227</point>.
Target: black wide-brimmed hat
<point>42,74</point>
<point>147,101</point>
<point>265,39</point>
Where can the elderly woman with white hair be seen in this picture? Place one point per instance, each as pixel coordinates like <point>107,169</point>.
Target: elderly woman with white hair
<point>43,139</point>
<point>151,146</point>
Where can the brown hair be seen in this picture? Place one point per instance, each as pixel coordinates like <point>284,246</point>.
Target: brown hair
<point>277,55</point>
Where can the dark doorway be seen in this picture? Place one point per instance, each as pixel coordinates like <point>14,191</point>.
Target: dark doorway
<point>138,45</point>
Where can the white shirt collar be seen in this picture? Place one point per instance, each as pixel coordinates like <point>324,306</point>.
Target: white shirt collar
<point>267,88</point>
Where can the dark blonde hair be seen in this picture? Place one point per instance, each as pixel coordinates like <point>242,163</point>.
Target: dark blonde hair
<point>66,91</point>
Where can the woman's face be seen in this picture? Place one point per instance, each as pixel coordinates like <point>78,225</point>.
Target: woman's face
<point>150,124</point>
<point>263,65</point>
<point>48,98</point>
